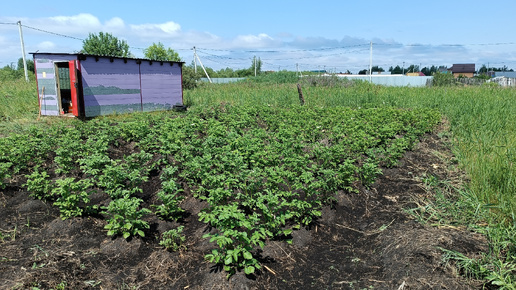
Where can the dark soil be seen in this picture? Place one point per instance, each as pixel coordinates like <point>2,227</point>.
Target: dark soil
<point>365,240</point>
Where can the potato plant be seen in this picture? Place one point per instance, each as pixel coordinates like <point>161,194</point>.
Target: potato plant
<point>39,185</point>
<point>173,240</point>
<point>72,197</point>
<point>125,217</point>
<point>262,171</point>
<point>170,196</point>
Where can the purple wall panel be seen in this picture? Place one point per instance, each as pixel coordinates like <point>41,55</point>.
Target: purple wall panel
<point>161,84</point>
<point>107,82</point>
<point>106,100</point>
<point>106,73</point>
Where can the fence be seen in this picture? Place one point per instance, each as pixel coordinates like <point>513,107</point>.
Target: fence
<point>222,80</point>
<point>504,82</point>
<point>392,80</point>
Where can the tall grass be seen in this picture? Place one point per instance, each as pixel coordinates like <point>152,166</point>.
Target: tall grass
<point>18,99</point>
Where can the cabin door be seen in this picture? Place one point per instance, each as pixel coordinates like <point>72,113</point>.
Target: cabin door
<point>74,87</point>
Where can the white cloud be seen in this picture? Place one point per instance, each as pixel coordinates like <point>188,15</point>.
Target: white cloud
<point>151,30</point>
<point>45,46</point>
<point>83,19</point>
<point>253,41</point>
<point>115,23</point>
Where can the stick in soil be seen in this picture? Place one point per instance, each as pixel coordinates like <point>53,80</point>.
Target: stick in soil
<point>301,98</point>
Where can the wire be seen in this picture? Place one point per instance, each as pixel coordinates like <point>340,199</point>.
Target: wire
<point>316,53</point>
<point>54,33</point>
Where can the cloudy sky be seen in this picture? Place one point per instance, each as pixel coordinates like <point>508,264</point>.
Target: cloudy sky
<point>284,34</point>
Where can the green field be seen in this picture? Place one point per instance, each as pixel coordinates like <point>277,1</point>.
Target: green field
<point>273,149</point>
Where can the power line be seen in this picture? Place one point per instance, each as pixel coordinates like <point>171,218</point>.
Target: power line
<point>54,33</point>
<point>315,53</point>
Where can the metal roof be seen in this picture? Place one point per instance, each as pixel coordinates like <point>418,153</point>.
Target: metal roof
<point>84,55</point>
<point>463,68</point>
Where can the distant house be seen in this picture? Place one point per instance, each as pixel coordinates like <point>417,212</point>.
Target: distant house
<point>415,74</point>
<point>463,69</point>
<point>507,74</point>
<point>84,85</point>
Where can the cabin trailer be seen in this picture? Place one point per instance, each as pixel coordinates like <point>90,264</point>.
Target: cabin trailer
<point>84,85</point>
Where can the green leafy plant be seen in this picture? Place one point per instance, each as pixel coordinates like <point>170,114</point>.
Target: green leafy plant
<point>169,195</point>
<point>173,239</point>
<point>72,197</point>
<point>122,178</point>
<point>369,172</point>
<point>125,217</point>
<point>39,184</point>
<point>4,172</point>
<point>237,236</point>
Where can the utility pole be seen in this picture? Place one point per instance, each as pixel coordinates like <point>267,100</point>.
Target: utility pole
<point>195,59</point>
<point>200,62</point>
<point>23,52</point>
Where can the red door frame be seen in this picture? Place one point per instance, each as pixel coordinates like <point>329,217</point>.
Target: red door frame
<point>74,86</point>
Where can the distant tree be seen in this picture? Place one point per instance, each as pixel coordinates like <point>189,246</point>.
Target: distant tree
<point>226,73</point>
<point>249,72</point>
<point>484,69</point>
<point>396,70</point>
<point>412,68</point>
<point>429,71</point>
<point>377,69</point>
<point>30,65</point>
<point>159,52</point>
<point>105,44</point>
<point>362,72</point>
<point>8,73</point>
<point>256,66</point>
<point>190,78</point>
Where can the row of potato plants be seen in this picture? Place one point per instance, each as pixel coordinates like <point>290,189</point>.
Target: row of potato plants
<point>262,171</point>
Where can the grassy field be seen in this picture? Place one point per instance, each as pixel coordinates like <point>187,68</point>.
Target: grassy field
<point>482,127</point>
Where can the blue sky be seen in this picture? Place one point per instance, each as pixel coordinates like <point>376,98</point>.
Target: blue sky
<point>332,35</point>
